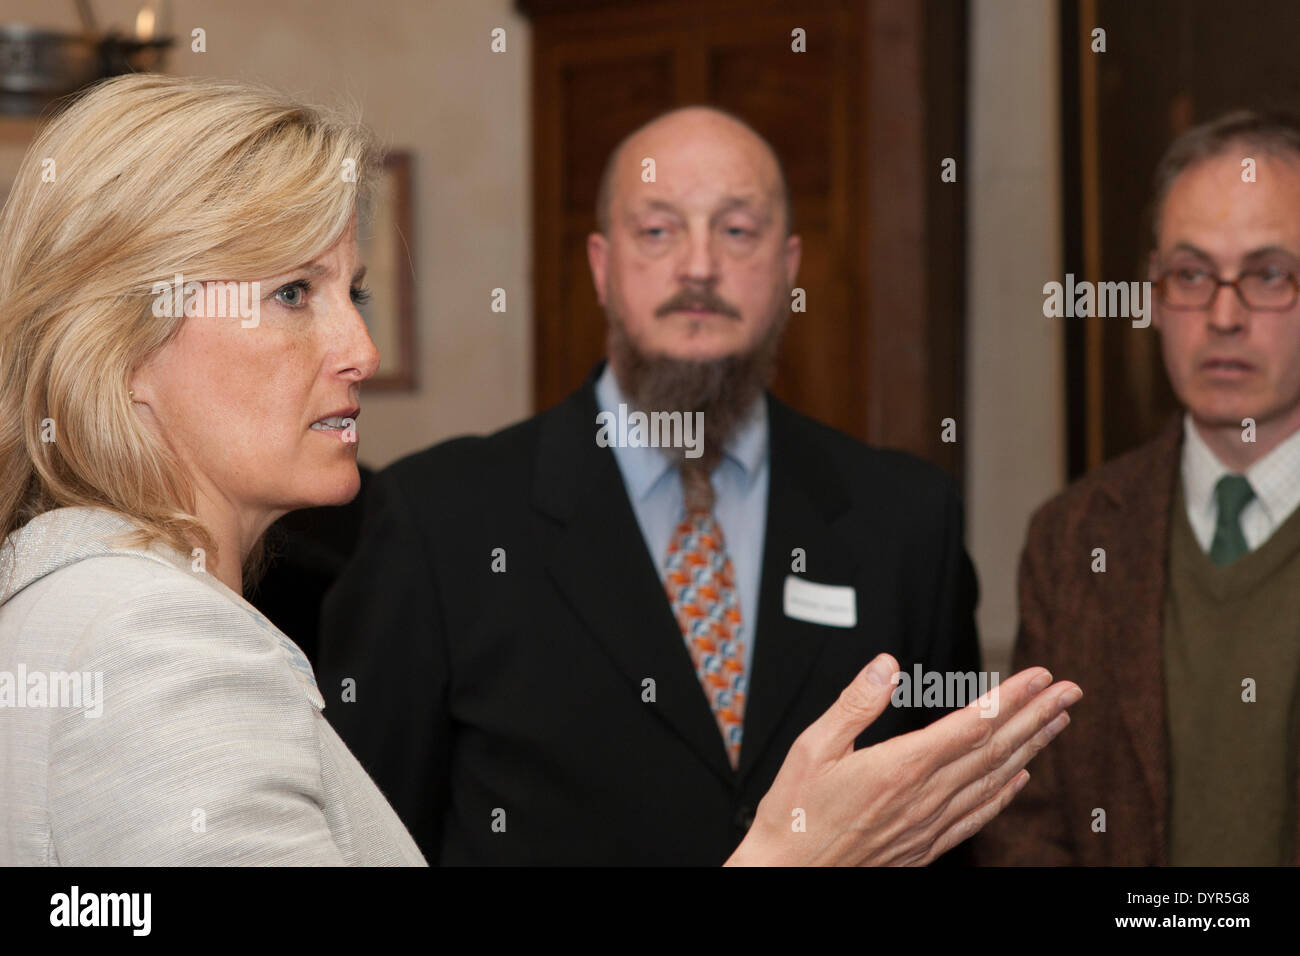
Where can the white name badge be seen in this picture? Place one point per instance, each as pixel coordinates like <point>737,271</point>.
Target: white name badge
<point>834,605</point>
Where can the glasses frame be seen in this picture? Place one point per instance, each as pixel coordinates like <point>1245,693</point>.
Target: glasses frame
<point>1236,287</point>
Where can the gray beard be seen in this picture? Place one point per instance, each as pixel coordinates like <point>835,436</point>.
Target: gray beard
<point>724,389</point>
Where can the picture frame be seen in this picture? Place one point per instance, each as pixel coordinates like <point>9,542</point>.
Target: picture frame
<point>386,242</point>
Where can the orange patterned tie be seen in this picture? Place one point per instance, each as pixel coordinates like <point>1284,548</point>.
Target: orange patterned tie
<point>702,591</point>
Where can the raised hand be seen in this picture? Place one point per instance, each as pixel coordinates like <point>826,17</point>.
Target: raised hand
<point>909,799</point>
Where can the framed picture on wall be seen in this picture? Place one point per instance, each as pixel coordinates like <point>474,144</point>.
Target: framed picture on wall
<point>386,242</point>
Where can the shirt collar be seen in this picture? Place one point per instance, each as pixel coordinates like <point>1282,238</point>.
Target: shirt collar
<point>1201,468</point>
<point>644,467</point>
<point>1272,478</point>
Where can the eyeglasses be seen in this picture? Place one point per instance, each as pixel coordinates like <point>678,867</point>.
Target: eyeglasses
<point>1265,290</point>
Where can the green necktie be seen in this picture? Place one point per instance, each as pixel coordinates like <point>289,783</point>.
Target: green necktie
<point>1232,493</point>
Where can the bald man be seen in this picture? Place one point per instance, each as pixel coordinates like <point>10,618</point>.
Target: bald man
<point>601,636</point>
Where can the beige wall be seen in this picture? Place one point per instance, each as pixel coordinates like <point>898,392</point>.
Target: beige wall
<point>1015,378</point>
<point>427,81</point>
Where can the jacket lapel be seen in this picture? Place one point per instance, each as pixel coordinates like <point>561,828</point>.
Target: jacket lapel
<point>601,566</point>
<point>1134,621</point>
<point>804,498</point>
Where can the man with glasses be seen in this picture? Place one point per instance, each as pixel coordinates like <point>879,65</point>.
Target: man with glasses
<point>1168,581</point>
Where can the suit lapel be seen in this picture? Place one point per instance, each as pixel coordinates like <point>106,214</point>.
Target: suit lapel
<point>601,566</point>
<point>1134,652</point>
<point>804,497</point>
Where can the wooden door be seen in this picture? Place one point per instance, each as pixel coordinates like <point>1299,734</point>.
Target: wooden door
<point>848,118</point>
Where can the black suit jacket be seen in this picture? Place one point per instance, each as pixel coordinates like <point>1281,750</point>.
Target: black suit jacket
<point>503,713</point>
<point>305,551</point>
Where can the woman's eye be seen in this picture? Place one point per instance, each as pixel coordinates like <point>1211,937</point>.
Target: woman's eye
<point>1189,275</point>
<point>360,295</point>
<point>294,294</point>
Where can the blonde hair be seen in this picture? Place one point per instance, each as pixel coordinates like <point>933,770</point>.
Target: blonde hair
<point>142,178</point>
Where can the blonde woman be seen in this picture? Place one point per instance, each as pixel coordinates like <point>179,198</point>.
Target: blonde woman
<point>180,363</point>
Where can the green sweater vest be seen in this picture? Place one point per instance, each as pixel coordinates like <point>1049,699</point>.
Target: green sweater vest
<point>1231,763</point>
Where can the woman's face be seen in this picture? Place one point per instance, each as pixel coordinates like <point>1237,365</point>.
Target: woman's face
<point>241,400</point>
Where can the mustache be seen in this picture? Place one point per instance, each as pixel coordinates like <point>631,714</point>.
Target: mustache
<point>698,299</point>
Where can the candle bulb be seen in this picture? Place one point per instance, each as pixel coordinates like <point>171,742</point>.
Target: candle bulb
<point>145,23</point>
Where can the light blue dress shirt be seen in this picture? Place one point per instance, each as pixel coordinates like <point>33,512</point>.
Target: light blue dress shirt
<point>740,484</point>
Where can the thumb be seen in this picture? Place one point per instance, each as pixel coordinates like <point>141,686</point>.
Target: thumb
<point>858,705</point>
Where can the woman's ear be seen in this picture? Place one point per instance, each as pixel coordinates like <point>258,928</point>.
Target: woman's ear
<point>139,388</point>
<point>142,393</point>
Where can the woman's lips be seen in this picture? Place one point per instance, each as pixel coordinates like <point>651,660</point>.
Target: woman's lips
<point>341,424</point>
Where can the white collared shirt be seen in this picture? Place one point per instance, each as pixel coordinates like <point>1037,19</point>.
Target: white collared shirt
<point>1275,479</point>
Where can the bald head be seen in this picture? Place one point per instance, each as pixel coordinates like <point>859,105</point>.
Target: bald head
<point>691,130</point>
<point>695,263</point>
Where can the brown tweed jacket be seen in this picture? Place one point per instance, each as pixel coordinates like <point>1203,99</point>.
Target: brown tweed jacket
<point>1104,632</point>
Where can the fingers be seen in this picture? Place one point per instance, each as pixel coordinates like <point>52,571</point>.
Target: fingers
<point>973,822</point>
<point>988,769</point>
<point>1034,728</point>
<point>956,735</point>
<point>1011,746</point>
<point>865,699</point>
